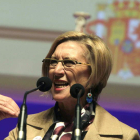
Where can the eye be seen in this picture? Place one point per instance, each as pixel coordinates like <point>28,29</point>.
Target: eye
<point>69,63</point>
<point>53,62</point>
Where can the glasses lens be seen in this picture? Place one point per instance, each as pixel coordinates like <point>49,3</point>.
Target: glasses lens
<point>69,63</point>
<point>53,62</point>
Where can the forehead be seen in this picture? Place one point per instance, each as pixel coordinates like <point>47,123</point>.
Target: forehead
<point>69,49</point>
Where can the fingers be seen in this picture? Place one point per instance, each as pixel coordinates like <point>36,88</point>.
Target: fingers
<point>8,107</point>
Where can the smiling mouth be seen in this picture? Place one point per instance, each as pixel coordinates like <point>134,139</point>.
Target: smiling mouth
<point>61,84</point>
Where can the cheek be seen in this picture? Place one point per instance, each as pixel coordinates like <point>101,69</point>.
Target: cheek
<point>78,74</point>
<point>71,74</point>
<point>82,76</point>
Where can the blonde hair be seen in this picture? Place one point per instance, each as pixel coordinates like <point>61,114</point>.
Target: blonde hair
<point>97,54</point>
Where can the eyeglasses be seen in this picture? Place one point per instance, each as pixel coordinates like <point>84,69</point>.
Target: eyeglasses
<point>66,62</point>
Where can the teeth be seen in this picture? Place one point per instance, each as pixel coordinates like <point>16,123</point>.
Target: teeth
<point>60,82</point>
<point>60,86</point>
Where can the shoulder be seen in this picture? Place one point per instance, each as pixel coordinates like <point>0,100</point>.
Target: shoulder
<point>107,124</point>
<point>128,132</point>
<point>41,115</point>
<point>41,118</point>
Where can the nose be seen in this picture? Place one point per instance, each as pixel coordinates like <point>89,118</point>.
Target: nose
<point>59,69</point>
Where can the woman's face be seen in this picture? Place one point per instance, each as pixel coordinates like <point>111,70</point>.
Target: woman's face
<point>64,78</point>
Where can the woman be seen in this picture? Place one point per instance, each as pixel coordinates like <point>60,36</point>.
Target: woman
<point>75,58</point>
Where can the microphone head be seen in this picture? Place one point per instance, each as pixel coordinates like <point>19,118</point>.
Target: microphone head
<point>74,90</point>
<point>47,84</point>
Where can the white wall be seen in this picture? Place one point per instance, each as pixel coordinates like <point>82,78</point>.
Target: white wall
<point>22,57</point>
<point>44,14</point>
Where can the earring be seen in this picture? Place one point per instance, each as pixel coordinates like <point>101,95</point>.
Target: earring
<point>89,98</point>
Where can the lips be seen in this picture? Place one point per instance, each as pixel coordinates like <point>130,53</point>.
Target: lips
<point>61,84</point>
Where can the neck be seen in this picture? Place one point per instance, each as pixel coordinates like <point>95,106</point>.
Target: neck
<point>67,110</point>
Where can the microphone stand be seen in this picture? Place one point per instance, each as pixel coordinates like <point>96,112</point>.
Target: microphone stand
<point>23,116</point>
<point>77,131</point>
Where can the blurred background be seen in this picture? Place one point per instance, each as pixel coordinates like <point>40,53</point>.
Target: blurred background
<point>28,28</point>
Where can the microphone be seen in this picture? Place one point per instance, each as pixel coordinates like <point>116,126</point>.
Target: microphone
<point>43,84</point>
<point>77,91</point>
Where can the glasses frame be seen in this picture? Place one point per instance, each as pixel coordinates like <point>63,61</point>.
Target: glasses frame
<point>62,61</point>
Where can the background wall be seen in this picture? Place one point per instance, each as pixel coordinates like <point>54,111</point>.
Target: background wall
<point>27,30</point>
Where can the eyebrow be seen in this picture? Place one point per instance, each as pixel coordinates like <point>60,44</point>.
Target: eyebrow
<point>71,58</point>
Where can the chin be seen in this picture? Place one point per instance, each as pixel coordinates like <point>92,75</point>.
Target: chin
<point>63,99</point>
<point>59,98</point>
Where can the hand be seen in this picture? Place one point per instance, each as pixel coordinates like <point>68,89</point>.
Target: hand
<point>8,108</point>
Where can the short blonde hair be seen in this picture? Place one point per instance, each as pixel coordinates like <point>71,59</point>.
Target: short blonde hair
<point>97,54</point>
